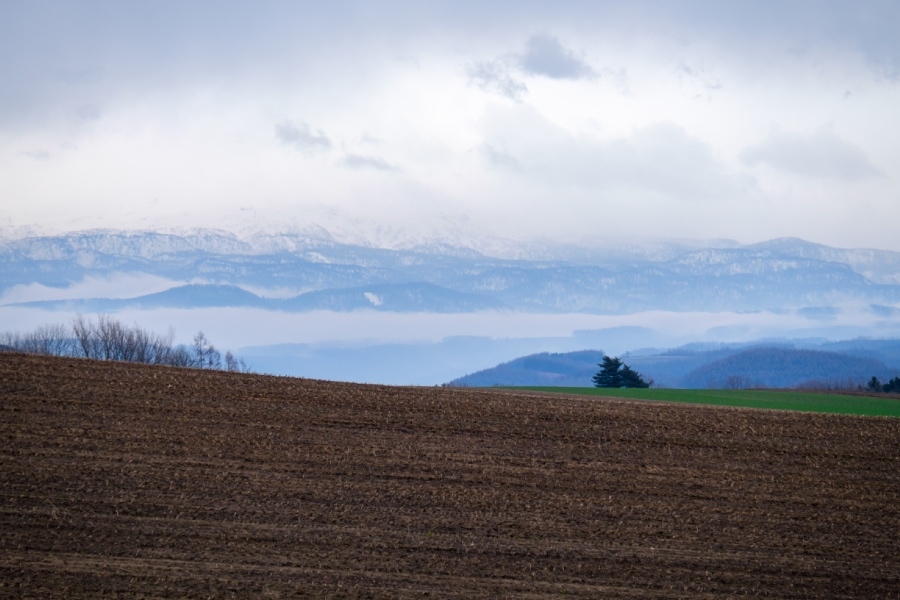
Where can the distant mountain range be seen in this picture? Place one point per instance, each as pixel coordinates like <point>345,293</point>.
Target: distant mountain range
<point>762,364</point>
<point>814,290</point>
<point>214,268</point>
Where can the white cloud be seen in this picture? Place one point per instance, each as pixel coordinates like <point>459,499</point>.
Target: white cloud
<point>496,76</point>
<point>821,155</point>
<point>125,116</point>
<point>661,159</point>
<point>36,154</point>
<point>301,137</point>
<point>357,161</point>
<point>499,157</point>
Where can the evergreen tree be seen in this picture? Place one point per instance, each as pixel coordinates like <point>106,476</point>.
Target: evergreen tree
<point>892,386</point>
<point>632,379</point>
<point>609,375</point>
<point>874,384</point>
<point>616,374</point>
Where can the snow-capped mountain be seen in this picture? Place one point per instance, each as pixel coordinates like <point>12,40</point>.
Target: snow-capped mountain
<point>785,274</point>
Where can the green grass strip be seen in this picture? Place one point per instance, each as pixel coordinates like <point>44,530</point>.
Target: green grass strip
<point>872,406</point>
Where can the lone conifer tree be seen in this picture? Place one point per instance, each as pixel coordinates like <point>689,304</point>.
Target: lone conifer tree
<point>632,379</point>
<point>609,375</point>
<point>615,374</point>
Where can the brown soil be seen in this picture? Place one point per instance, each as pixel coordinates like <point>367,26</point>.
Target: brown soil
<point>129,481</point>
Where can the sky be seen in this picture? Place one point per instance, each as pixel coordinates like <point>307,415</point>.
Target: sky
<point>568,120</point>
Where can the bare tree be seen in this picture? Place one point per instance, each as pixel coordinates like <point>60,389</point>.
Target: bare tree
<point>114,339</point>
<point>161,349</point>
<point>9,340</point>
<point>235,365</point>
<point>110,339</point>
<point>735,382</point>
<point>205,354</point>
<point>831,384</point>
<point>231,363</point>
<point>53,340</point>
<point>85,337</point>
<point>181,357</point>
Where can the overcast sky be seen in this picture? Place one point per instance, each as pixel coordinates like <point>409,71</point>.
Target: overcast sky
<point>567,119</point>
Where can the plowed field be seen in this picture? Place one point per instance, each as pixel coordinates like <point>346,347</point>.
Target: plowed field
<point>131,481</point>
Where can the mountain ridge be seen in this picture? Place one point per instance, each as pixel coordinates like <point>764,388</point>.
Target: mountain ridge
<point>785,274</point>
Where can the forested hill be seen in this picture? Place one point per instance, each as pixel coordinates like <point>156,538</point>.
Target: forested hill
<point>570,369</point>
<point>726,366</point>
<point>785,367</point>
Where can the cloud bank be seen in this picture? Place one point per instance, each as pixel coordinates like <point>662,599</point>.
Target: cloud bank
<point>740,120</point>
<point>821,155</point>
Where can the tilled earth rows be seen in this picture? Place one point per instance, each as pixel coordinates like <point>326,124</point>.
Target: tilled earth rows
<point>130,481</point>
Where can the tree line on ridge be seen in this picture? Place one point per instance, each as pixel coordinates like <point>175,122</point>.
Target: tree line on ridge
<point>110,339</point>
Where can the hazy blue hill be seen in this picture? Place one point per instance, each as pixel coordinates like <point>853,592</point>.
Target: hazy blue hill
<point>428,363</point>
<point>576,369</point>
<point>200,296</point>
<point>771,364</point>
<point>185,296</point>
<point>666,368</point>
<point>887,351</point>
<point>784,367</point>
<point>670,367</point>
<point>570,369</point>
<point>403,297</point>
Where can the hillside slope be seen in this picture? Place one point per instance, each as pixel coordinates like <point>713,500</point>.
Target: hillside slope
<point>783,367</point>
<point>123,480</point>
<point>566,369</point>
<point>743,365</point>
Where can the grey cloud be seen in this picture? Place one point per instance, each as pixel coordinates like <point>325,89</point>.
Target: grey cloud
<point>868,26</point>
<point>359,161</point>
<point>662,160</point>
<point>366,138</point>
<point>301,136</point>
<point>496,76</point>
<point>36,154</point>
<point>821,154</point>
<point>108,51</point>
<point>707,80</point>
<point>499,158</point>
<point>545,55</point>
